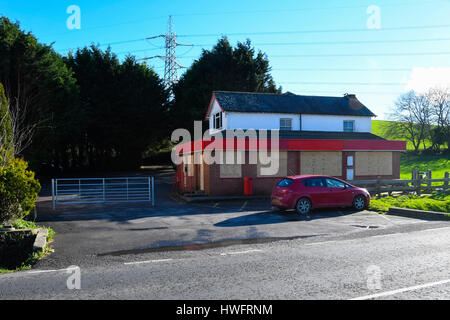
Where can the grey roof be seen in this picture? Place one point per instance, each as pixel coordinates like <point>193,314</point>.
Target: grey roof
<point>327,135</point>
<point>291,103</point>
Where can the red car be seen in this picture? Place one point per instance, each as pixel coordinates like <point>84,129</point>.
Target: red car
<point>304,193</point>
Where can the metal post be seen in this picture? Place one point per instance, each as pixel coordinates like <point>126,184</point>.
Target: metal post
<point>446,177</point>
<point>149,189</point>
<point>153,191</point>
<point>53,193</point>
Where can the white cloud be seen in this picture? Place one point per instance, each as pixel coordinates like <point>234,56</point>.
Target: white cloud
<point>422,79</point>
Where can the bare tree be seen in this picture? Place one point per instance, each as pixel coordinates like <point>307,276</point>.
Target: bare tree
<point>439,99</point>
<point>22,128</point>
<point>413,115</point>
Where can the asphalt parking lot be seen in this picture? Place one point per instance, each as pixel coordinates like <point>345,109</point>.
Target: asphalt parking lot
<point>89,234</point>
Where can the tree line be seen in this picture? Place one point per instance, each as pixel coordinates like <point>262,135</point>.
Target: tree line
<point>89,110</point>
<point>423,119</point>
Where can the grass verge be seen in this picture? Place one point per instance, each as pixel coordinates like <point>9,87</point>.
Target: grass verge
<point>35,256</point>
<point>439,202</point>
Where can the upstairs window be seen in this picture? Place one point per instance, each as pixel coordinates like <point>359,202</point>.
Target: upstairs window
<point>286,124</point>
<point>217,120</point>
<point>349,126</point>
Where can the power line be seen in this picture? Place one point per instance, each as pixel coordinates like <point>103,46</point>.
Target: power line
<point>344,69</point>
<point>299,10</point>
<point>361,54</point>
<point>313,31</point>
<point>287,43</point>
<point>338,42</point>
<point>408,3</point>
<point>319,55</point>
<point>356,92</point>
<point>346,83</point>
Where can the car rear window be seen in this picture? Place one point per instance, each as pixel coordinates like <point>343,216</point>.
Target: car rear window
<point>285,182</point>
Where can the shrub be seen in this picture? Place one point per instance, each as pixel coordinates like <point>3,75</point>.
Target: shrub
<point>18,190</point>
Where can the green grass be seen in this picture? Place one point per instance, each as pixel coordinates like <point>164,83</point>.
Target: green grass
<point>24,224</point>
<point>379,128</point>
<point>35,256</point>
<point>435,202</point>
<point>439,164</point>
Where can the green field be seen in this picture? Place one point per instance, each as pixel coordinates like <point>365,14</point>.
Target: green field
<point>379,128</point>
<point>438,163</point>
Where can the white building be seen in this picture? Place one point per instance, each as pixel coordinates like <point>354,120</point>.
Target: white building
<point>237,110</point>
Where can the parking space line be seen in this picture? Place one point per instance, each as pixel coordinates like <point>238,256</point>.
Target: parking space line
<point>240,252</point>
<point>393,292</point>
<point>147,261</point>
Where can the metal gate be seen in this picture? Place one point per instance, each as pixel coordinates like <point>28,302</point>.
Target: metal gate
<point>100,190</point>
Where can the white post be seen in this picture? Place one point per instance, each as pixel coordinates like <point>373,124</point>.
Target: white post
<point>149,189</point>
<point>153,191</point>
<point>53,193</point>
<point>104,190</point>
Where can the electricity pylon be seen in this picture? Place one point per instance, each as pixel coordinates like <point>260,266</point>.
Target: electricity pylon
<point>171,64</point>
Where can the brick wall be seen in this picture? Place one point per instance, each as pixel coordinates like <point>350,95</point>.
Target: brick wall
<point>216,186</point>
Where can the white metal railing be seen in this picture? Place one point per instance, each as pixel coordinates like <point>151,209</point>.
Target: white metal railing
<point>100,190</point>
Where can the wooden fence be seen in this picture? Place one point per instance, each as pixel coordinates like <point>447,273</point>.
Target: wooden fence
<point>420,183</point>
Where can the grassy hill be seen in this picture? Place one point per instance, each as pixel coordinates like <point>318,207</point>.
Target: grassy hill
<point>409,161</point>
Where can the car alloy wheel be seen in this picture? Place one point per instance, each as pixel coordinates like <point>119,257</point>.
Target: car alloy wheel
<point>303,206</point>
<point>359,203</point>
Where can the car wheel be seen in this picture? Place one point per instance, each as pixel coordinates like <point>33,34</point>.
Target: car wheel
<point>359,203</point>
<point>303,206</point>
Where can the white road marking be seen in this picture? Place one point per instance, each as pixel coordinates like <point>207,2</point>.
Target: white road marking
<point>240,252</point>
<point>243,206</point>
<point>147,261</point>
<point>393,292</point>
<point>45,271</point>
<point>316,243</point>
<point>215,205</point>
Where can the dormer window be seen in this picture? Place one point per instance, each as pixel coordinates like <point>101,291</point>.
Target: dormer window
<point>218,120</point>
<point>349,126</point>
<point>286,124</point>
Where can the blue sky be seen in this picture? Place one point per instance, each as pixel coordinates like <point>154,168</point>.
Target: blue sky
<point>314,47</point>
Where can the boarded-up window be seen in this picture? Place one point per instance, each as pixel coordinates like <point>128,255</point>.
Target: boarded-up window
<point>279,158</point>
<point>324,162</point>
<point>230,170</point>
<point>375,163</point>
<point>231,167</point>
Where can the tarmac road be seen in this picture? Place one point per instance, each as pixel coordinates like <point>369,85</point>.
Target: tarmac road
<point>409,262</point>
<point>234,250</point>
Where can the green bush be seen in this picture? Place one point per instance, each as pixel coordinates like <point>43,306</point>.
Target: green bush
<point>18,190</point>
